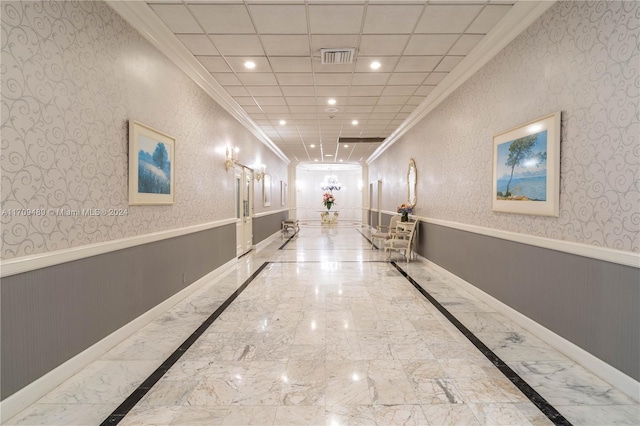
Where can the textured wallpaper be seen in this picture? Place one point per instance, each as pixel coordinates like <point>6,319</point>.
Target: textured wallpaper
<point>73,74</point>
<point>581,58</point>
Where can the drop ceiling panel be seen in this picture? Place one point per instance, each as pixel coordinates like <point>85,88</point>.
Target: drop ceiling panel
<point>417,43</point>
<point>279,19</point>
<point>198,44</point>
<point>223,18</point>
<point>335,19</point>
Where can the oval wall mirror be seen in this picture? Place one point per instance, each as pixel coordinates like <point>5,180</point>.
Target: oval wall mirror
<point>412,180</point>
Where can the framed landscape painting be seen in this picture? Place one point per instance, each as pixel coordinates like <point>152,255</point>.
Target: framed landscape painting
<point>151,166</point>
<point>526,168</point>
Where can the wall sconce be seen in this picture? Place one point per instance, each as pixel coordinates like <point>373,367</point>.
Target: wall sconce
<point>261,170</point>
<point>231,157</point>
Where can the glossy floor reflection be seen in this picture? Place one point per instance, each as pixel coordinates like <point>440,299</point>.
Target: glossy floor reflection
<point>330,333</point>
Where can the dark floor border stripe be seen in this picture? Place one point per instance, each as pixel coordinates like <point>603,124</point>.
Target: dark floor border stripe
<point>119,413</point>
<point>367,238</point>
<point>537,399</point>
<point>288,241</point>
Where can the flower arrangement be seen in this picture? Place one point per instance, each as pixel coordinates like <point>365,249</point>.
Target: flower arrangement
<point>328,200</point>
<point>405,209</point>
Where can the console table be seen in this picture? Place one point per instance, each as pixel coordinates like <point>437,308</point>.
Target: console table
<point>329,217</point>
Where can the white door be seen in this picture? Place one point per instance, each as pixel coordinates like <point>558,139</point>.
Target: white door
<point>244,209</point>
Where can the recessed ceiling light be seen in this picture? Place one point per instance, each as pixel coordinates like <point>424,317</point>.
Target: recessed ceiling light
<point>375,65</point>
<point>312,145</point>
<point>331,101</point>
<point>328,155</point>
<point>283,122</point>
<point>250,64</point>
<point>341,160</point>
<point>316,160</point>
<point>346,146</point>
<point>354,122</point>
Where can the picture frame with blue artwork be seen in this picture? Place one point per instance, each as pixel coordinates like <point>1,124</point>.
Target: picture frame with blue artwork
<point>151,165</point>
<point>526,168</point>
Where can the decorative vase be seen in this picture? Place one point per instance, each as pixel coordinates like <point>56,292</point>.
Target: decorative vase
<point>328,205</point>
<point>405,217</point>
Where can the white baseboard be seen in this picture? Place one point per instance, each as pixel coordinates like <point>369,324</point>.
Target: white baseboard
<point>606,372</point>
<point>31,393</point>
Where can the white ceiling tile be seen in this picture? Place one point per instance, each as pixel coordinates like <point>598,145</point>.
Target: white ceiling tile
<point>275,109</point>
<point>298,91</point>
<point>391,19</point>
<point>389,45</point>
<point>489,16</point>
<point>360,108</point>
<point>424,90</point>
<point>237,63</point>
<point>362,100</point>
<point>366,91</point>
<point>257,79</point>
<point>387,63</point>
<point>290,63</point>
<point>332,79</point>
<point>387,108</point>
<point>415,100</point>
<point>465,44</point>
<point>417,63</point>
<point>198,44</point>
<point>253,110</point>
<point>238,44</point>
<point>237,91</point>
<point>295,79</point>
<point>402,115</point>
<point>286,45</point>
<point>270,100</point>
<point>408,108</point>
<point>177,17</point>
<point>435,78</point>
<point>393,100</point>
<point>335,19</point>
<point>301,100</point>
<point>214,63</point>
<point>279,19</point>
<point>332,91</point>
<point>302,109</point>
<point>448,63</point>
<point>227,79</point>
<point>304,116</point>
<point>399,90</point>
<point>223,18</point>
<point>245,100</point>
<point>370,79</point>
<point>447,18</point>
<point>436,44</point>
<point>406,78</point>
<point>264,90</point>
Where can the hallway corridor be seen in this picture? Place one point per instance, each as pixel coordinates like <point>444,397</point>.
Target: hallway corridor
<point>318,329</point>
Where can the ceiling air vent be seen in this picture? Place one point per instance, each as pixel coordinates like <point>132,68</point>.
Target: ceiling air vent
<point>338,56</point>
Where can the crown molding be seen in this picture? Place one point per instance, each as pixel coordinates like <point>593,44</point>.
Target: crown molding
<point>144,20</point>
<point>518,19</point>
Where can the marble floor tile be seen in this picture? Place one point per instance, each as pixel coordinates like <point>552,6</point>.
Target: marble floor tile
<point>330,334</point>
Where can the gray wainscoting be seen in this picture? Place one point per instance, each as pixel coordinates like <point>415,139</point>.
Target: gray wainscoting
<point>51,314</point>
<point>265,226</point>
<point>592,303</point>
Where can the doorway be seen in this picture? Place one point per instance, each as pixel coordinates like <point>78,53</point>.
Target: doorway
<point>244,209</point>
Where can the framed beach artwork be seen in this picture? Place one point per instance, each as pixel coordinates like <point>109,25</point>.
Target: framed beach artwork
<point>266,190</point>
<point>526,168</point>
<point>151,165</point>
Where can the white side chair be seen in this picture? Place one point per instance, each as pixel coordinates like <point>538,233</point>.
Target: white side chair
<point>402,240</point>
<point>379,234</point>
